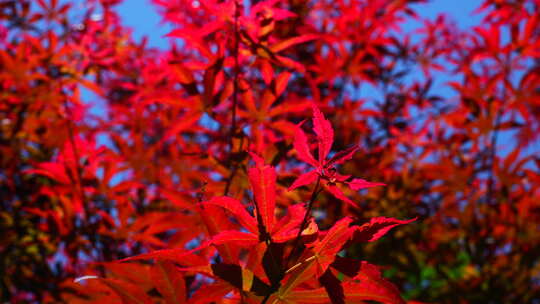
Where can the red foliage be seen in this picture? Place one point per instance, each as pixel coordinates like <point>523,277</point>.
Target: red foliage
<point>187,175</point>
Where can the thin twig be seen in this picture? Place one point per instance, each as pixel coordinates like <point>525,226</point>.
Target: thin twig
<point>266,298</point>
<point>314,194</point>
<point>230,179</point>
<point>494,137</point>
<point>236,71</point>
<point>492,154</point>
<point>296,243</point>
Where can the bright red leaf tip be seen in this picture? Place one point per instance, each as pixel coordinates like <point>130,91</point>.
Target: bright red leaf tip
<point>304,179</point>
<point>176,255</point>
<point>337,193</point>
<point>377,228</point>
<point>169,282</point>
<point>302,147</point>
<point>324,131</point>
<point>358,183</point>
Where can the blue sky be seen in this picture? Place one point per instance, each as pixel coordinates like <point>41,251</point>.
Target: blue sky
<point>142,16</point>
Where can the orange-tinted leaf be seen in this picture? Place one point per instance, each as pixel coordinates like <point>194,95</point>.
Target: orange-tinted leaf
<point>281,83</point>
<point>214,292</point>
<point>169,281</point>
<point>129,293</point>
<point>299,274</point>
<point>184,74</point>
<point>290,42</point>
<point>181,125</point>
<point>327,248</point>
<point>370,285</point>
<point>267,71</point>
<point>305,296</point>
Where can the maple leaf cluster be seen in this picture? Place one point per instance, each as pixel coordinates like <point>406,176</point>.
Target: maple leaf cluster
<point>269,270</point>
<point>325,169</point>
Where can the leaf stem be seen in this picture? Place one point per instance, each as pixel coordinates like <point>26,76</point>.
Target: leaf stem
<point>236,68</point>
<point>296,243</point>
<point>266,298</point>
<point>303,225</point>
<point>493,142</point>
<point>235,73</point>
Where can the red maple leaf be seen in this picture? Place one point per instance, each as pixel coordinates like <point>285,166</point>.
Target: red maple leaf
<point>325,168</point>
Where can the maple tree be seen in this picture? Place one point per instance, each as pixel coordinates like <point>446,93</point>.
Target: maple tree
<point>262,157</point>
